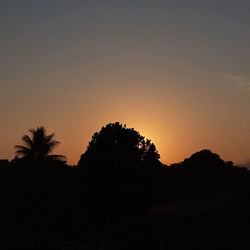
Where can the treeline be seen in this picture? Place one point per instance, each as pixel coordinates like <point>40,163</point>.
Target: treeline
<point>120,173</point>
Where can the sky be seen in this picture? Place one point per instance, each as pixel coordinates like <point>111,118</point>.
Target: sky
<point>177,71</point>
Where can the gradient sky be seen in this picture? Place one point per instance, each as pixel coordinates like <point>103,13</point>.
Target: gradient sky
<point>178,71</point>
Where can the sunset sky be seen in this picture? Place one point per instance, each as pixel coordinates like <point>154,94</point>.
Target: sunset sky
<point>178,71</point>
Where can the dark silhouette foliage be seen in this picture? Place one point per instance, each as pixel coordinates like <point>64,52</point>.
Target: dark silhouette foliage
<point>36,151</point>
<point>118,146</point>
<point>112,199</point>
<point>204,160</point>
<point>39,146</point>
<point>116,165</point>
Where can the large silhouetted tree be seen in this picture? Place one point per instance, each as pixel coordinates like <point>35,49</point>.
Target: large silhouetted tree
<point>118,145</point>
<point>116,168</point>
<point>38,146</point>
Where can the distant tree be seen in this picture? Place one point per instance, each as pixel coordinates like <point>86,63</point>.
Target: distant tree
<point>118,145</point>
<point>204,159</point>
<point>38,146</point>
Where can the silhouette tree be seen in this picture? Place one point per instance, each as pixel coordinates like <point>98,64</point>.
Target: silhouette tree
<point>204,159</point>
<point>118,145</point>
<point>115,168</point>
<point>38,146</point>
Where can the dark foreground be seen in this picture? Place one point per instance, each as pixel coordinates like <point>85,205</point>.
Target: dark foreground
<point>131,208</point>
<point>219,221</point>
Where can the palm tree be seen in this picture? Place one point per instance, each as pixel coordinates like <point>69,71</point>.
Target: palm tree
<point>39,146</point>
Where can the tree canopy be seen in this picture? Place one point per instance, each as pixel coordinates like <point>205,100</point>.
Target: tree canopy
<point>38,146</point>
<point>118,145</point>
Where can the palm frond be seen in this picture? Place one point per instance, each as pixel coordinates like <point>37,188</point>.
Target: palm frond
<point>49,137</point>
<point>32,131</point>
<point>52,145</point>
<point>22,150</point>
<point>21,147</point>
<point>27,140</point>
